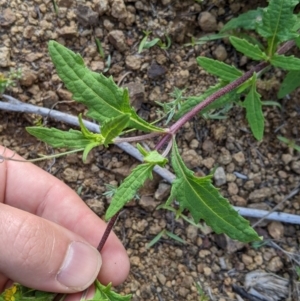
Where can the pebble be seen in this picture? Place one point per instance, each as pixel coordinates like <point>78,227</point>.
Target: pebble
<point>192,232</point>
<point>220,53</point>
<point>28,78</point>
<point>136,94</point>
<point>117,39</point>
<point>239,158</point>
<point>65,3</point>
<point>228,244</point>
<point>86,16</point>
<point>191,158</point>
<point>181,78</point>
<point>207,271</point>
<point>276,230</point>
<point>208,162</point>
<point>102,7</point>
<point>220,176</point>
<point>148,203</point>
<point>155,71</point>
<point>260,194</point>
<point>296,167</point>
<point>286,158</point>
<point>161,278</point>
<point>207,22</point>
<point>70,175</point>
<point>5,57</point>
<point>133,62</point>
<point>7,17</point>
<point>162,191</point>
<point>246,259</point>
<point>275,264</point>
<point>232,188</point>
<point>118,9</point>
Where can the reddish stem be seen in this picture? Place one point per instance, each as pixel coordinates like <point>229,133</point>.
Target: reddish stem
<point>107,231</point>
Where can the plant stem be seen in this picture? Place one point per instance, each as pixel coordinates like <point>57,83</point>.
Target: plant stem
<point>107,231</point>
<point>228,88</point>
<point>137,138</point>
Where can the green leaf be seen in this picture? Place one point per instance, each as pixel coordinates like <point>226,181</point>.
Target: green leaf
<point>129,187</point>
<point>104,293</point>
<point>111,128</point>
<point>289,84</point>
<point>223,71</point>
<point>155,158</point>
<point>248,49</point>
<point>289,142</point>
<point>247,20</point>
<point>207,38</point>
<point>204,201</point>
<point>175,237</point>
<point>57,138</point>
<point>155,239</point>
<point>101,95</point>
<point>285,62</point>
<point>278,22</point>
<point>254,114</point>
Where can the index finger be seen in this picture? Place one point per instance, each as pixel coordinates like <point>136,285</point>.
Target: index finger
<point>27,187</point>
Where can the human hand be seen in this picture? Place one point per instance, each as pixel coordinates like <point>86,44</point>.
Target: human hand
<point>48,235</point>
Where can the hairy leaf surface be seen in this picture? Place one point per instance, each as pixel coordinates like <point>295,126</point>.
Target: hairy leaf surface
<point>248,49</point>
<point>254,114</point>
<point>285,62</point>
<point>247,20</point>
<point>289,84</point>
<point>101,95</point>
<point>204,201</point>
<point>221,70</point>
<point>278,22</point>
<point>129,187</point>
<point>104,293</point>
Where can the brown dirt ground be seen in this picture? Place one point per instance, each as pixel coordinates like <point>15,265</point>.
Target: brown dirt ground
<point>169,270</point>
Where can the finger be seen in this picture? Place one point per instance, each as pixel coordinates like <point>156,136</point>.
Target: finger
<point>34,190</point>
<point>43,255</point>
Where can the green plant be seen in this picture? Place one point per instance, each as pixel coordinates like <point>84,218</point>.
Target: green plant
<point>145,44</point>
<point>9,80</point>
<point>109,105</point>
<point>201,292</point>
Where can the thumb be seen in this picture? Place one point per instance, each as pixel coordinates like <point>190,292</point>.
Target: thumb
<point>43,255</point>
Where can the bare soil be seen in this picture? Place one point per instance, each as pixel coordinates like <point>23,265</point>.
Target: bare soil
<point>168,270</point>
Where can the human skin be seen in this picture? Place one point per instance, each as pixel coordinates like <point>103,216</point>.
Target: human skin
<point>48,235</point>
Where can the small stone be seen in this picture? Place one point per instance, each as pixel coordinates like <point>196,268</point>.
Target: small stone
<point>64,3</point>
<point>135,260</point>
<point>192,232</point>
<point>181,78</point>
<point>208,146</point>
<point>276,230</point>
<point>208,162</point>
<point>296,167</point>
<point>286,158</point>
<point>28,78</point>
<point>275,264</point>
<point>156,71</point>
<point>70,175</point>
<point>133,62</point>
<point>96,205</point>
<point>246,259</point>
<point>260,194</point>
<point>194,143</point>
<point>33,56</point>
<point>97,65</point>
<point>118,9</point>
<point>162,191</point>
<point>64,94</point>
<point>68,31</point>
<point>207,22</point>
<point>136,94</point>
<point>233,188</point>
<point>102,7</point>
<point>207,271</point>
<point>161,278</point>
<point>4,57</point>
<point>219,176</point>
<point>220,53</point>
<point>148,203</point>
<point>86,16</point>
<point>49,99</point>
<point>228,244</point>
<point>117,39</point>
<point>225,158</point>
<point>191,158</point>
<point>7,17</point>
<point>239,158</point>
<point>165,2</point>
